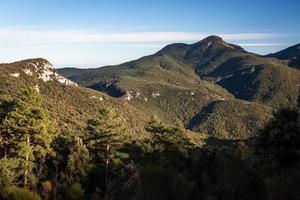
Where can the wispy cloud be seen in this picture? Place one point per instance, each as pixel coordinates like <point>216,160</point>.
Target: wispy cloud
<point>26,36</point>
<point>261,44</point>
<point>144,45</point>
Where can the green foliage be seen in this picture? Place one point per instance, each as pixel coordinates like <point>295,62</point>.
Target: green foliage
<point>6,143</point>
<point>15,193</point>
<point>193,86</point>
<point>167,137</point>
<point>9,168</point>
<point>281,137</point>
<point>277,149</point>
<point>31,129</point>
<point>160,130</point>
<point>191,77</point>
<point>233,119</point>
<point>75,192</point>
<point>227,173</point>
<point>169,148</point>
<point>106,133</point>
<point>79,162</point>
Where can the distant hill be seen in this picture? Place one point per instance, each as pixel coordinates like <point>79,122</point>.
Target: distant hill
<point>290,54</point>
<point>70,105</point>
<point>182,81</point>
<point>245,75</point>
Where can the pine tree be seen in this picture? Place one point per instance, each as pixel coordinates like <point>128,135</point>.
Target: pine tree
<point>169,141</point>
<point>5,133</point>
<point>8,172</point>
<point>105,135</point>
<point>32,131</point>
<point>161,131</point>
<point>79,162</point>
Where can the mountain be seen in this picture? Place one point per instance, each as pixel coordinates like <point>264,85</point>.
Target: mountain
<point>69,104</point>
<point>245,75</point>
<point>200,84</point>
<point>213,89</point>
<point>291,55</point>
<point>210,86</point>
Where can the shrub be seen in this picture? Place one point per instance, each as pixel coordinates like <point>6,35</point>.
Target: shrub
<point>8,172</point>
<point>75,192</point>
<point>15,193</point>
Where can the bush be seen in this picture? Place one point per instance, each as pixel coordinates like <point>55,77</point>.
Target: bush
<point>75,192</point>
<point>8,172</point>
<point>15,193</point>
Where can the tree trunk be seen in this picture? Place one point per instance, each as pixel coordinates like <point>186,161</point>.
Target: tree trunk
<point>26,164</point>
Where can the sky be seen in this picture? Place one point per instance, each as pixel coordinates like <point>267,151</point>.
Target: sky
<point>93,33</point>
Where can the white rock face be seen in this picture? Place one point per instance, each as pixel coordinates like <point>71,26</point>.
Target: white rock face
<point>28,72</point>
<point>48,74</point>
<point>155,94</point>
<point>37,88</point>
<point>95,97</point>
<point>15,75</point>
<point>63,80</point>
<point>128,96</point>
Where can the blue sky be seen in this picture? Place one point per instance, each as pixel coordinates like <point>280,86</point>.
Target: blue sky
<point>87,33</point>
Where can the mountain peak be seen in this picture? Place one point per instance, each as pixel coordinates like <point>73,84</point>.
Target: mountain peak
<point>212,38</point>
<point>217,42</point>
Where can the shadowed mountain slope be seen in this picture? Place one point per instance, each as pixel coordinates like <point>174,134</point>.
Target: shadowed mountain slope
<point>291,55</point>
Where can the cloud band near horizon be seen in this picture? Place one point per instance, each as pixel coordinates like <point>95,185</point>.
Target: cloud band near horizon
<point>26,36</point>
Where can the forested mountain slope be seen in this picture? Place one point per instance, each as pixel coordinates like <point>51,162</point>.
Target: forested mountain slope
<point>181,81</point>
<point>69,104</point>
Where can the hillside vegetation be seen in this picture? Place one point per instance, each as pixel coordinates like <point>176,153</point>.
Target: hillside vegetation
<point>290,55</point>
<point>192,121</point>
<point>181,81</point>
<point>67,103</point>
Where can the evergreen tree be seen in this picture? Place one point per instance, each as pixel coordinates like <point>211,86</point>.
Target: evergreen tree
<point>161,131</point>
<point>106,132</point>
<point>79,162</point>
<point>170,144</point>
<point>281,137</point>
<point>8,172</point>
<point>32,131</point>
<point>5,133</point>
<point>75,192</point>
<point>168,137</point>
